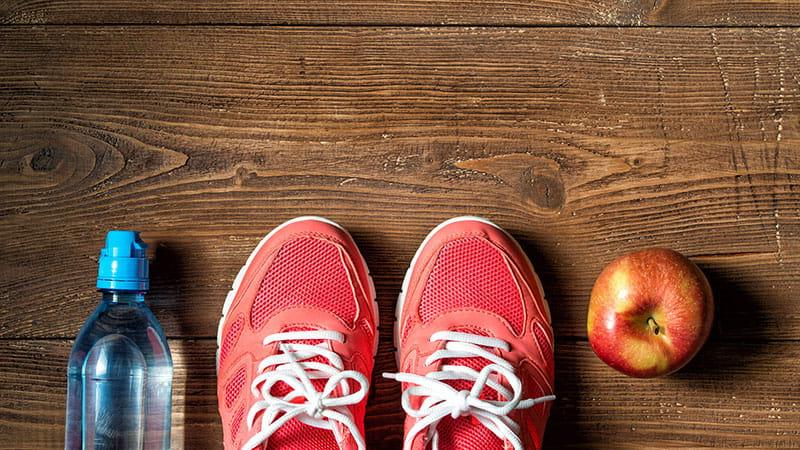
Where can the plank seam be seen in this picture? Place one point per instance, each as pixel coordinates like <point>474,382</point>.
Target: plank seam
<point>387,25</point>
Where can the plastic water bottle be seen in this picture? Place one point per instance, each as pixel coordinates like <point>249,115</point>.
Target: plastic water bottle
<point>119,393</point>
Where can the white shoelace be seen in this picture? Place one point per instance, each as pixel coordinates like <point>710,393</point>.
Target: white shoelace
<point>441,399</point>
<point>291,366</point>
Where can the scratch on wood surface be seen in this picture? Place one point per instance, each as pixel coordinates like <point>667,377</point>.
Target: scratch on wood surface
<point>779,248</point>
<point>778,118</point>
<point>781,89</point>
<point>726,87</point>
<point>662,122</point>
<point>727,97</point>
<point>711,258</point>
<point>756,85</point>
<point>736,125</point>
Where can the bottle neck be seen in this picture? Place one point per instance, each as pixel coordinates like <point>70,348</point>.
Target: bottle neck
<point>122,296</point>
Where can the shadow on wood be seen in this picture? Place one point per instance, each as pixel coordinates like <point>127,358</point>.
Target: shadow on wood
<point>735,306</point>
<point>196,387</point>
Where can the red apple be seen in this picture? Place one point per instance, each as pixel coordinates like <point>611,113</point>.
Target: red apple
<point>650,312</point>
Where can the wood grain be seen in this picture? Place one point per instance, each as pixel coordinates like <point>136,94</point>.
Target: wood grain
<point>718,401</point>
<point>412,12</point>
<point>583,143</point>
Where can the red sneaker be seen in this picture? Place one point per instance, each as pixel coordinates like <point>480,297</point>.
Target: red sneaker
<point>297,341</point>
<point>475,346</point>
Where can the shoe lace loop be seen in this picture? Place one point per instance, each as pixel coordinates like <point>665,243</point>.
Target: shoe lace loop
<point>440,399</point>
<point>320,409</point>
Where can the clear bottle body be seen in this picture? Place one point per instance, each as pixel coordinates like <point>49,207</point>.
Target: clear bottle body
<point>119,378</point>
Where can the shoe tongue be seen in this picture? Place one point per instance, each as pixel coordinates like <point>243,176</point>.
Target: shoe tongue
<point>281,388</point>
<point>303,341</point>
<point>474,363</point>
<point>294,434</point>
<point>466,433</point>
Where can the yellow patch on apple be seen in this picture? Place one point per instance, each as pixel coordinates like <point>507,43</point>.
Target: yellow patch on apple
<point>620,285</point>
<point>645,355</point>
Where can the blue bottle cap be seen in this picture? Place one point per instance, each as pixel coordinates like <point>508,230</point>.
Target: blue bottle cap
<point>123,262</point>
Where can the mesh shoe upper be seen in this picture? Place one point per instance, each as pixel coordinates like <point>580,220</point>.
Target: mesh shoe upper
<point>470,276</point>
<point>471,273</point>
<point>308,271</point>
<point>306,275</point>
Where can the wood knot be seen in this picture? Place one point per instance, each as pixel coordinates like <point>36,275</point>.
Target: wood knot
<point>536,179</point>
<point>242,176</point>
<point>544,190</point>
<point>44,161</point>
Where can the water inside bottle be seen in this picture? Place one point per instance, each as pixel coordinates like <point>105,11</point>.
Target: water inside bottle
<point>120,380</point>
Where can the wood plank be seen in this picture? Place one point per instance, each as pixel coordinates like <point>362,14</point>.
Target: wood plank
<point>584,144</point>
<point>732,395</point>
<point>412,12</point>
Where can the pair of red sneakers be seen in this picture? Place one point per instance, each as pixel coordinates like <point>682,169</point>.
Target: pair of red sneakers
<point>298,337</point>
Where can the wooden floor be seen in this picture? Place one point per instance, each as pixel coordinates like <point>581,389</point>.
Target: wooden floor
<point>586,128</point>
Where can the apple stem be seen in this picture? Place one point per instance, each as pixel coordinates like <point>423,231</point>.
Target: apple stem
<point>653,325</point>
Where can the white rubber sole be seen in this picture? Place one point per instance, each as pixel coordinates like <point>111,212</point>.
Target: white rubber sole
<point>401,298</point>
<point>239,276</point>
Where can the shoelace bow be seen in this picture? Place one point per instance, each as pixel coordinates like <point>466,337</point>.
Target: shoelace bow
<point>441,399</point>
<point>291,366</point>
